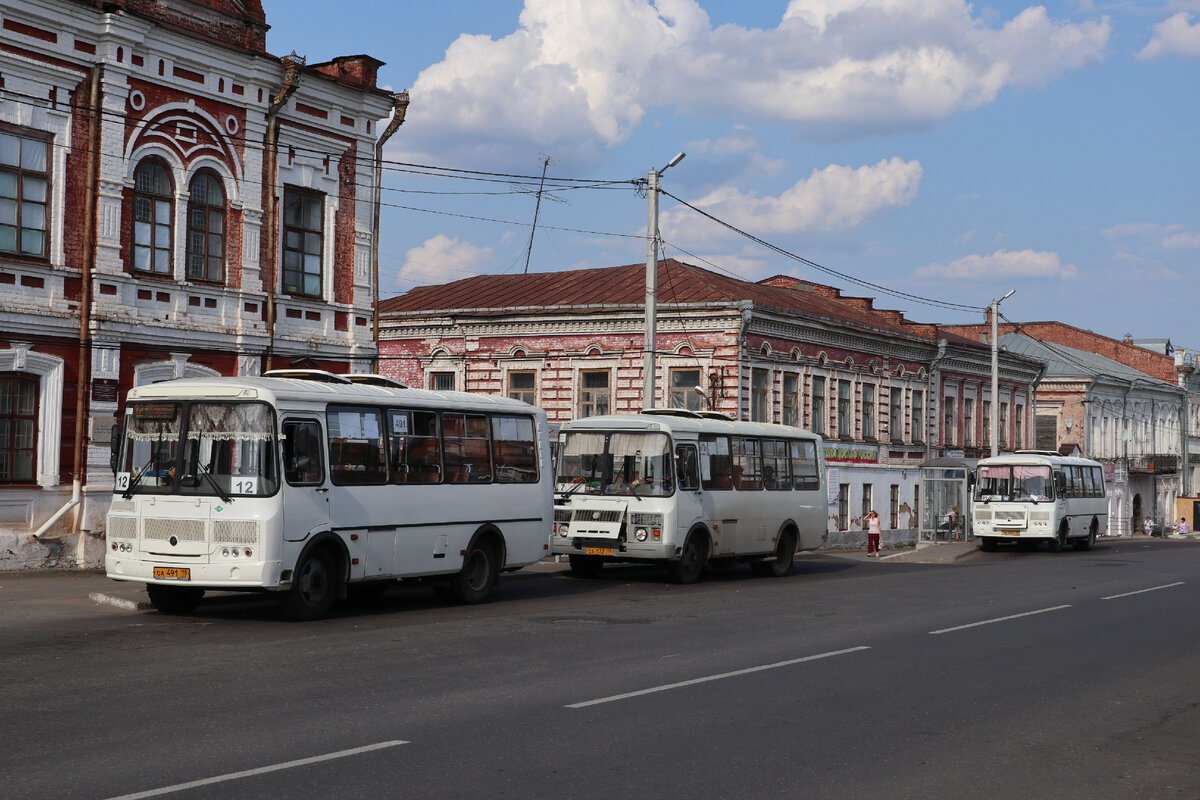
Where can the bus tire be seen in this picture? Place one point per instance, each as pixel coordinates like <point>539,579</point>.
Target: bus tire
<point>781,563</point>
<point>987,544</point>
<point>585,566</point>
<point>174,599</point>
<point>314,588</point>
<point>475,581</point>
<point>1056,544</point>
<point>1088,542</point>
<point>690,564</point>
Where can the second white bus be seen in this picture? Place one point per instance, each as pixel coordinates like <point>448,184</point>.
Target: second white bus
<point>1034,496</point>
<point>310,486</point>
<point>687,489</point>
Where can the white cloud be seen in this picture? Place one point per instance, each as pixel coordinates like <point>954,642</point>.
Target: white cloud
<point>1174,36</point>
<point>581,74</point>
<point>442,259</point>
<point>1002,264</point>
<point>1182,241</point>
<point>835,198</point>
<point>1169,237</point>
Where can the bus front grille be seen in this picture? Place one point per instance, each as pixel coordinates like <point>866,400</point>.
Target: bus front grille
<point>183,530</point>
<point>235,532</point>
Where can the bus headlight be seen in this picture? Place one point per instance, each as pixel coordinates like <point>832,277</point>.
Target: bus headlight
<point>562,529</point>
<point>640,534</point>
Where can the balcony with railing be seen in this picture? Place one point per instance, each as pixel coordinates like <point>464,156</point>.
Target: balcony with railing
<point>1155,464</point>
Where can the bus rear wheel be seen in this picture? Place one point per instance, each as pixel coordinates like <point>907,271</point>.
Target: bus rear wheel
<point>475,581</point>
<point>781,564</point>
<point>313,590</point>
<point>690,565</point>
<point>174,599</point>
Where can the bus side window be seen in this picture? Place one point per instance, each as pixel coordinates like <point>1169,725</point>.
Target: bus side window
<point>302,461</point>
<point>686,467</point>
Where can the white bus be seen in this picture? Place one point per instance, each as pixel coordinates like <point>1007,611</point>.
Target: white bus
<point>1033,496</point>
<point>312,485</point>
<point>687,488</point>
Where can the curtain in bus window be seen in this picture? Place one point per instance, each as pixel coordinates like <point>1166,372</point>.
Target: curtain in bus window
<point>581,459</point>
<point>356,452</point>
<point>466,450</point>
<point>747,463</point>
<point>514,449</point>
<point>715,466</point>
<point>153,431</point>
<point>993,482</point>
<point>1031,481</point>
<point>804,465</point>
<point>230,445</point>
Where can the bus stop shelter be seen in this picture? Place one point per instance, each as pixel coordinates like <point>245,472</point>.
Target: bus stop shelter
<point>945,500</point>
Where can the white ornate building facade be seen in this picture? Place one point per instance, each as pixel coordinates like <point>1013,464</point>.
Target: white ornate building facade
<point>174,201</point>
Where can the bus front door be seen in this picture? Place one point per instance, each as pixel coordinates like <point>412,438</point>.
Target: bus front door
<point>306,495</point>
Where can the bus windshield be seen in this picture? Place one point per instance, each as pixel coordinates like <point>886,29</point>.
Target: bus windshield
<point>1014,482</point>
<point>199,448</point>
<point>617,463</point>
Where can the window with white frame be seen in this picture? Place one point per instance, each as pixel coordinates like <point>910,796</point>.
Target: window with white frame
<point>24,192</point>
<point>153,215</point>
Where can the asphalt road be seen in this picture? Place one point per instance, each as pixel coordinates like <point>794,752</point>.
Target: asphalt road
<point>1007,675</point>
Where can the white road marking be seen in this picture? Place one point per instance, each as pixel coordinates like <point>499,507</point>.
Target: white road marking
<point>179,787</point>
<point>1143,591</point>
<point>998,619</point>
<point>708,678</point>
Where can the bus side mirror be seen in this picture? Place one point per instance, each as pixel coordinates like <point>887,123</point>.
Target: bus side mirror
<point>114,447</point>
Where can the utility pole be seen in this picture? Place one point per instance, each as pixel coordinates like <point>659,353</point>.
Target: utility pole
<point>546,162</point>
<point>995,420</point>
<point>649,365</point>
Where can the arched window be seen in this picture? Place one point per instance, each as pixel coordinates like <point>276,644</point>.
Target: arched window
<point>206,229</point>
<point>153,209</point>
<point>18,427</point>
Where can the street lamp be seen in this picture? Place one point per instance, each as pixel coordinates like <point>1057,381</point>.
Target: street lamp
<point>996,373</point>
<point>652,241</point>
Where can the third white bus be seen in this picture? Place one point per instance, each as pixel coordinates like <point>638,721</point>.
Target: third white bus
<point>1033,496</point>
<point>686,489</point>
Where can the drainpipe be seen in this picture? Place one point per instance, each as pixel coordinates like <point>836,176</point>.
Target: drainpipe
<point>929,393</point>
<point>291,81</point>
<point>399,108</point>
<point>79,470</point>
<point>747,309</point>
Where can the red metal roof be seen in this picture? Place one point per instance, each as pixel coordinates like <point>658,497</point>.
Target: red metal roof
<point>607,288</point>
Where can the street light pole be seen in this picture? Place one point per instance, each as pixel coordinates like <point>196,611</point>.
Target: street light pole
<point>649,365</point>
<point>995,415</point>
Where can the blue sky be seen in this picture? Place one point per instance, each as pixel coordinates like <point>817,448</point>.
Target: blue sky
<point>938,149</point>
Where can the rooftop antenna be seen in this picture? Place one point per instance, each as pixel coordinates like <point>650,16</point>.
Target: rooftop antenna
<point>546,162</point>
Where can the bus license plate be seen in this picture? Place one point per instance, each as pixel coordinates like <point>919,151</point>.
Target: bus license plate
<point>598,551</point>
<point>1010,533</point>
<point>173,573</point>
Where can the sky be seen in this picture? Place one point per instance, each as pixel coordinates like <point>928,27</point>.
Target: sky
<point>931,154</point>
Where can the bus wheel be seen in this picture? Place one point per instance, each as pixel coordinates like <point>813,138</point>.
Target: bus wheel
<point>1056,544</point>
<point>474,582</point>
<point>585,566</point>
<point>1089,542</point>
<point>174,599</point>
<point>691,560</point>
<point>314,588</point>
<point>781,564</point>
<point>987,544</point>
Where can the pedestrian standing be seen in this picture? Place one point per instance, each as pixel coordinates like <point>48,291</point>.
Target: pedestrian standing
<point>1148,526</point>
<point>873,535</point>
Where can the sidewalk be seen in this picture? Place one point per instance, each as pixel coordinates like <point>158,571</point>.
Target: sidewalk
<point>923,553</point>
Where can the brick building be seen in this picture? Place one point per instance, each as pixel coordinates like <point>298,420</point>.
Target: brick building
<point>174,201</point>
<point>885,392</point>
<point>1150,435</point>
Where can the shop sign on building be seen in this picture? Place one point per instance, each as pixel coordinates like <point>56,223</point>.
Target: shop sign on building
<point>851,453</point>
